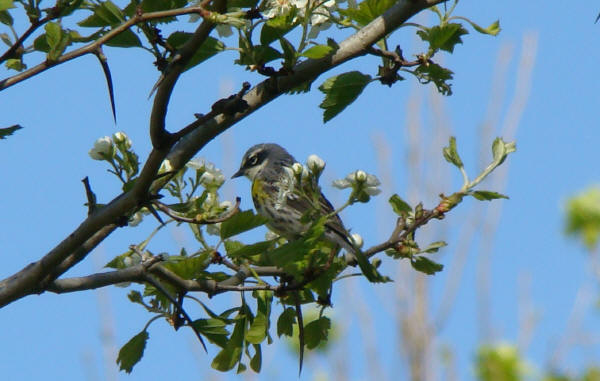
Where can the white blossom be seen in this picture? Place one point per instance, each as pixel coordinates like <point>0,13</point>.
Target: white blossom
<point>212,176</point>
<point>226,205</point>
<point>297,168</point>
<point>357,239</point>
<point>282,7</point>
<point>121,138</point>
<point>315,164</point>
<point>103,149</point>
<point>360,176</point>
<point>196,163</point>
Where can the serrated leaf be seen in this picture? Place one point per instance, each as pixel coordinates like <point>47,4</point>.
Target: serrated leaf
<point>7,131</point>
<point>368,270</point>
<point>367,11</point>
<point>105,14</point>
<point>250,250</point>
<point>211,326</point>
<point>285,322</point>
<point>230,355</point>
<point>278,27</point>
<point>258,329</point>
<point>189,268</point>
<point>209,48</point>
<point>231,246</point>
<point>434,247</point>
<point>451,154</point>
<point>400,207</point>
<point>125,39</point>
<point>493,29</point>
<point>256,360</point>
<point>432,72</point>
<point>317,51</point>
<point>340,91</point>
<point>241,222</point>
<point>316,331</point>
<point>443,37</point>
<point>426,265</point>
<point>131,353</point>
<point>487,195</point>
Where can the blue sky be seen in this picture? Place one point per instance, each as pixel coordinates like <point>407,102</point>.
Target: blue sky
<point>66,108</point>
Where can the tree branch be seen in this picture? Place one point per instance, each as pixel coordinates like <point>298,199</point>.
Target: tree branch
<point>88,235</point>
<point>91,47</point>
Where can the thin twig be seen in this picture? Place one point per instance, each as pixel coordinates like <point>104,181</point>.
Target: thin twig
<point>198,220</point>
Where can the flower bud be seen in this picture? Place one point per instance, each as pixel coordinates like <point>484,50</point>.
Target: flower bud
<point>360,176</point>
<point>120,138</point>
<point>357,239</point>
<point>315,164</point>
<point>103,149</point>
<point>297,168</point>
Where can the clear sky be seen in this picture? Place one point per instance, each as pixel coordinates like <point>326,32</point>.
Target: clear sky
<point>533,266</point>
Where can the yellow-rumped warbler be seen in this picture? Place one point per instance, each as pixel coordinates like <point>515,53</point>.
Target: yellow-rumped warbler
<point>268,166</point>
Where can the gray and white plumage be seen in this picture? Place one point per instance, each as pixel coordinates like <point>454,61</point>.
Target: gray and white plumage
<point>268,166</point>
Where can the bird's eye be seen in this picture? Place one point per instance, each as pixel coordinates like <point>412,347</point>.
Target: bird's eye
<point>253,160</point>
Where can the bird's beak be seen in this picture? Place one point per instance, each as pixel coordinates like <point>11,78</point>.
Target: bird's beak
<point>238,173</point>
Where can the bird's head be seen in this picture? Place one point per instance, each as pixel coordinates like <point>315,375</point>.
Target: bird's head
<point>261,155</point>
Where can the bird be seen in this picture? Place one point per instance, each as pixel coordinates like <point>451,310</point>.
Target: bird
<point>268,167</point>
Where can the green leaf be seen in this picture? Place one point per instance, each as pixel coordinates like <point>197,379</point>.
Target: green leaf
<point>256,361</point>
<point>209,48</point>
<point>249,250</point>
<point>400,207</point>
<point>451,154</point>
<point>443,37</point>
<point>6,18</point>
<point>285,322</point>
<point>367,10</point>
<point>317,51</point>
<point>434,247</point>
<point>15,64</point>
<point>131,353</point>
<point>493,29</point>
<point>241,222</point>
<point>278,27</point>
<point>162,5</point>
<point>6,4</point>
<point>501,149</point>
<point>368,270</point>
<point>125,39</point>
<point>230,355</point>
<point>6,39</point>
<point>7,131</point>
<point>432,72</point>
<point>582,217</point>
<point>105,14</point>
<point>289,53</point>
<point>426,265</point>
<point>189,268</point>
<point>55,40</point>
<point>316,331</point>
<point>340,91</point>
<point>487,195</point>
<point>211,326</point>
<point>258,330</point>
